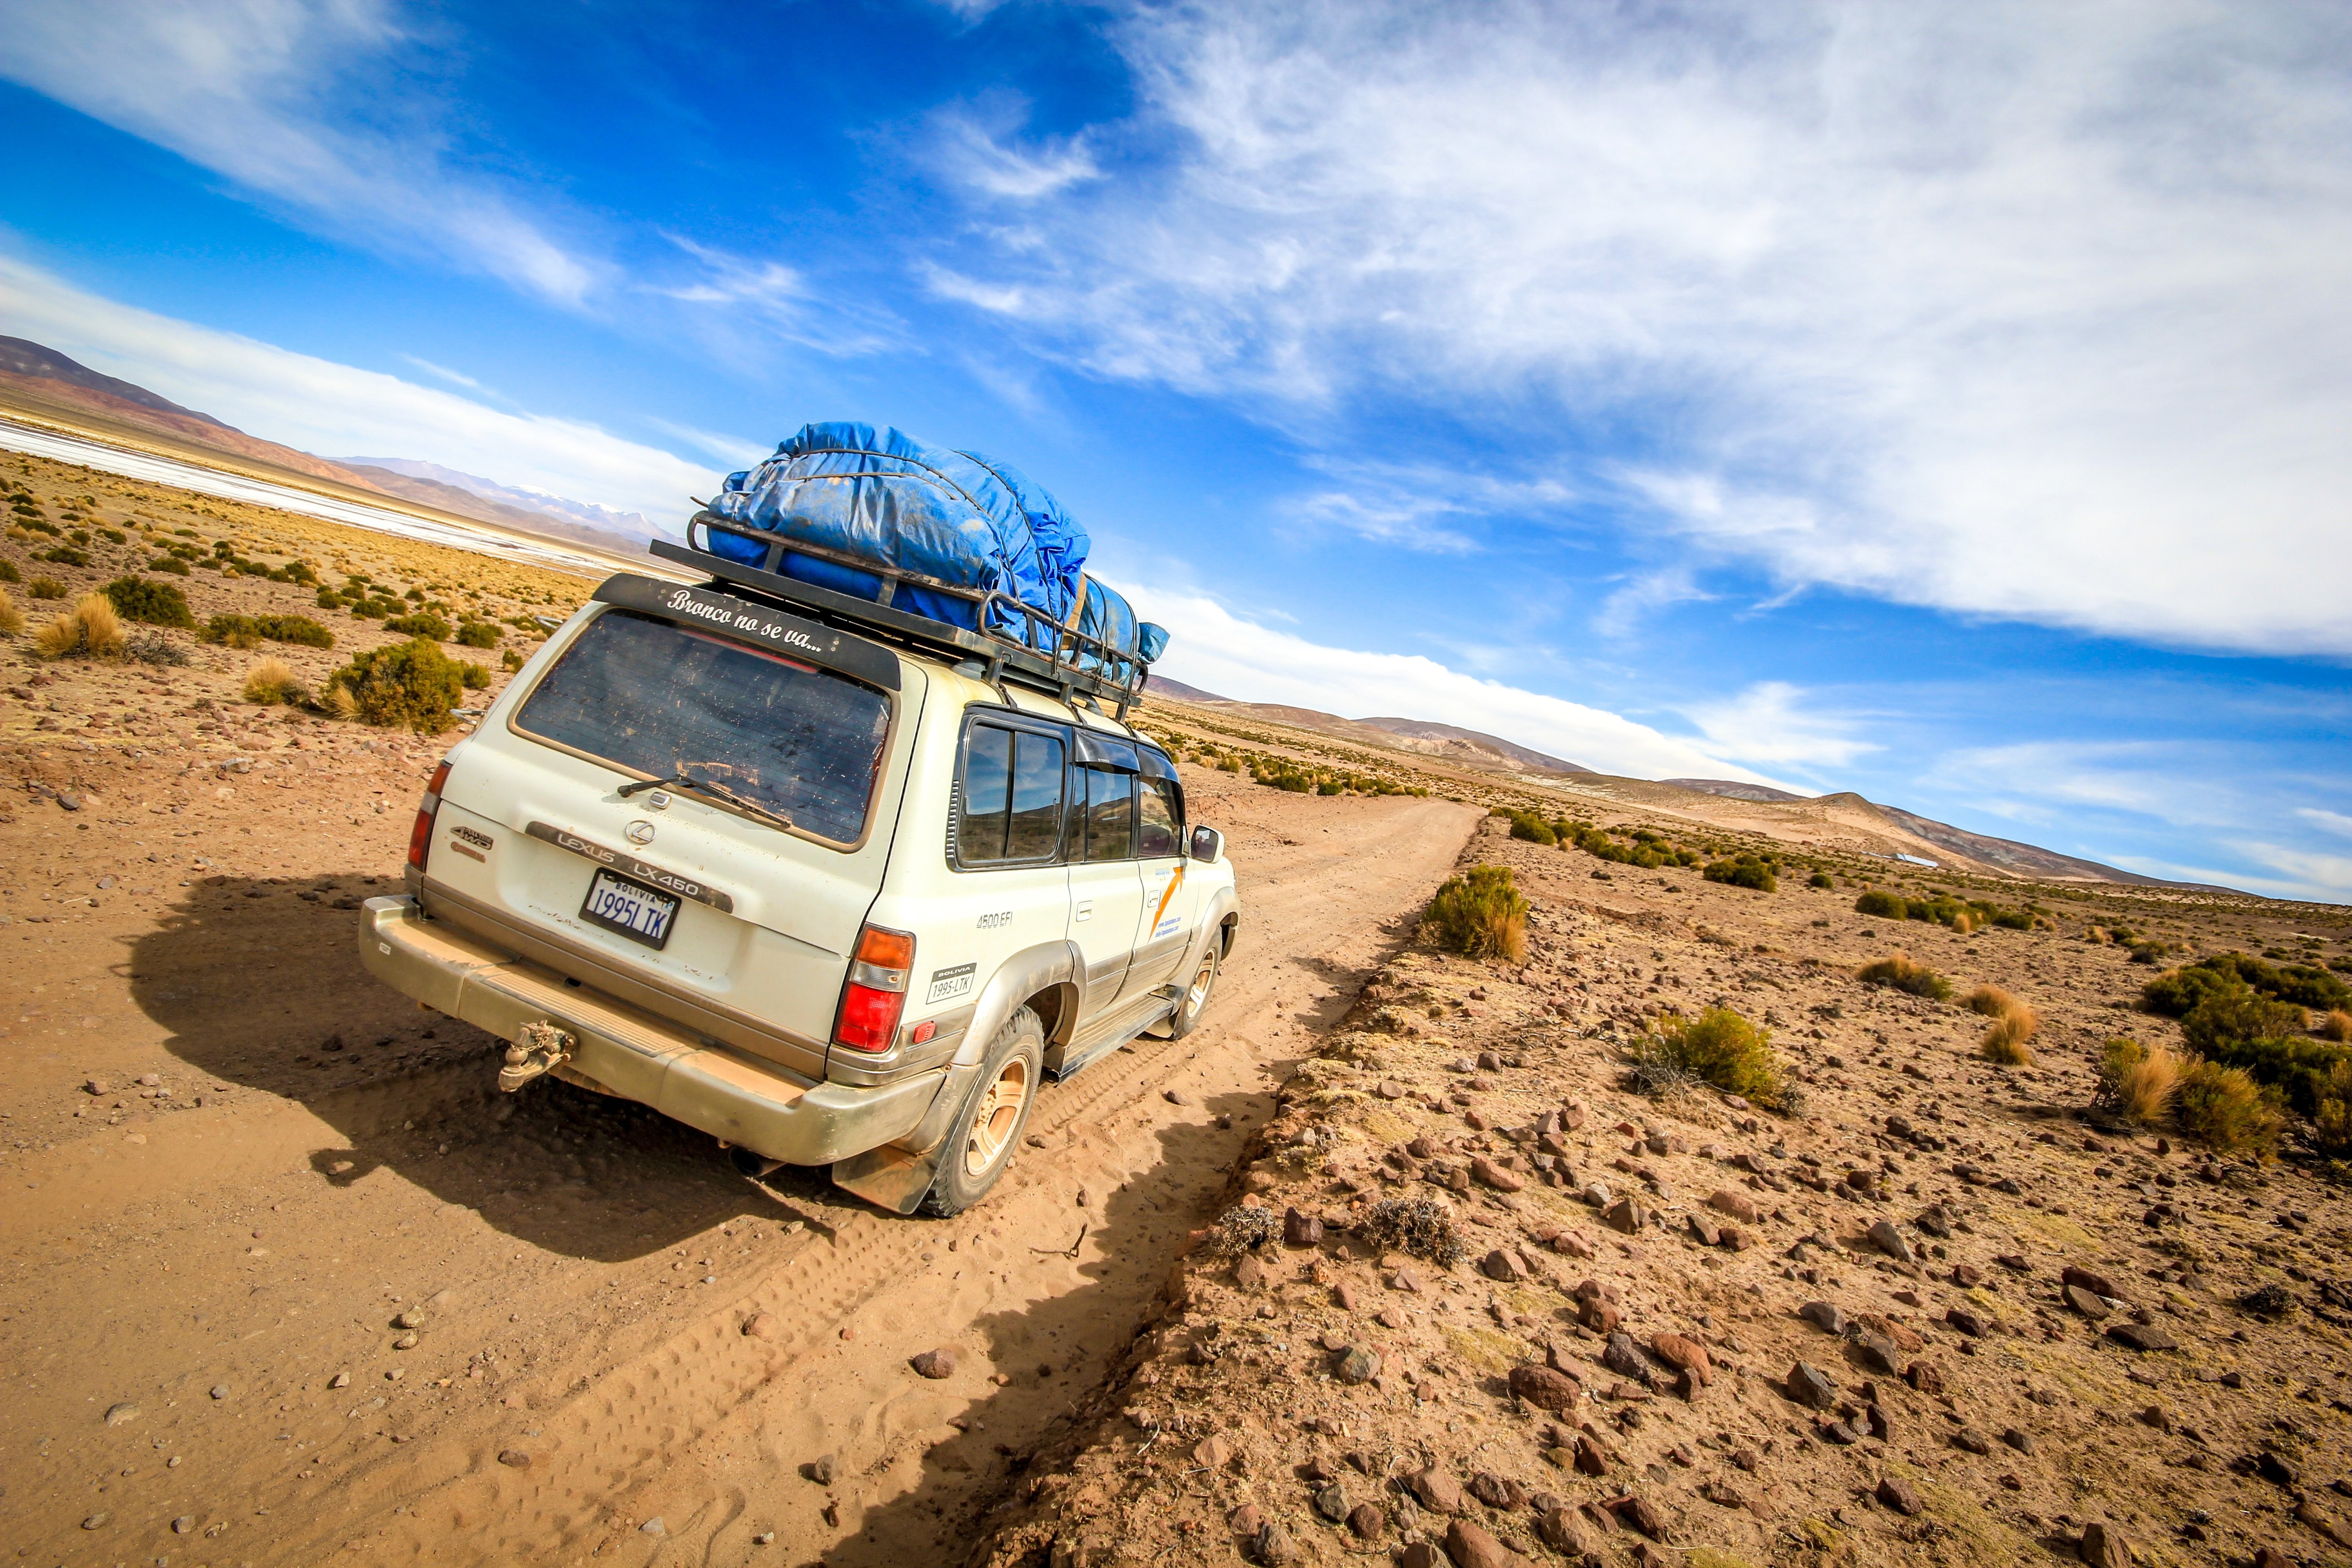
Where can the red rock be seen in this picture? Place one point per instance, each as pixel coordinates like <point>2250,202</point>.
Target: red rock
<point>1738,1206</point>
<point>1471,1547</point>
<point>1899,1495</point>
<point>1688,1355</point>
<point>935,1363</point>
<point>1544,1388</point>
<point>1438,1491</point>
<point>1501,1178</point>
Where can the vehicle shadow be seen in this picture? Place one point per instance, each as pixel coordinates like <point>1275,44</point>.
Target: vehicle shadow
<point>259,983</point>
<point>1139,1228</point>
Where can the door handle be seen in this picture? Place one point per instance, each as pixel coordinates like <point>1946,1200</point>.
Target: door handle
<point>1085,911</point>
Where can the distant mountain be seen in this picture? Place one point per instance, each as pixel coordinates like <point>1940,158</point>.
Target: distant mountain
<point>1733,788</point>
<point>2026,859</point>
<point>1161,686</point>
<point>43,381</point>
<point>474,496</point>
<point>1475,741</point>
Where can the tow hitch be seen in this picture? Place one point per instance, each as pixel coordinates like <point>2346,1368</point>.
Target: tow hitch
<point>538,1049</point>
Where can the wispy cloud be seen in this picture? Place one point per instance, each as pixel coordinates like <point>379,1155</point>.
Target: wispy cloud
<point>735,451</point>
<point>322,407</point>
<point>2002,310</point>
<point>977,145</point>
<point>455,377</point>
<point>263,93</point>
<point>2334,821</point>
<point>1624,611</point>
<point>1769,722</point>
<point>1220,651</point>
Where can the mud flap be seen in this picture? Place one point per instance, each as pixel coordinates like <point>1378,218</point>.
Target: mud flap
<point>889,1177</point>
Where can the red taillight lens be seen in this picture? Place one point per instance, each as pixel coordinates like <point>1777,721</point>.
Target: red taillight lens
<point>877,992</point>
<point>420,832</point>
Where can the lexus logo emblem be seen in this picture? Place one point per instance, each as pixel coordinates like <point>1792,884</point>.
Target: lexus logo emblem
<point>641,832</point>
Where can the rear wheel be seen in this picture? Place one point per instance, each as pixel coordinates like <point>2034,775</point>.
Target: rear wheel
<point>988,1129</point>
<point>1195,1000</point>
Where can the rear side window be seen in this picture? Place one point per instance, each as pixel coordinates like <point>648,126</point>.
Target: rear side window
<point>740,725</point>
<point>1011,795</point>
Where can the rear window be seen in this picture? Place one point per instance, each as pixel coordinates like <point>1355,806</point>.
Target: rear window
<point>742,725</point>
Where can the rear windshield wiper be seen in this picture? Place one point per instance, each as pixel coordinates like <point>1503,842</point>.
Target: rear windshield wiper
<point>711,787</point>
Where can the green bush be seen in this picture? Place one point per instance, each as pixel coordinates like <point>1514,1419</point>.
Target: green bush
<point>1531,828</point>
<point>2223,1107</point>
<point>479,633</point>
<point>2235,1016</point>
<point>8,573</point>
<point>157,604</point>
<point>171,563</point>
<point>2299,1068</point>
<point>424,624</point>
<point>46,588</point>
<point>330,600</point>
<point>1720,1047</point>
<point>411,685</point>
<point>1902,974</point>
<point>1819,880</point>
<point>1481,915</point>
<point>475,677</point>
<point>511,661</point>
<point>252,631</point>
<point>2176,992</point>
<point>64,555</point>
<point>1747,871</point>
<point>1884,904</point>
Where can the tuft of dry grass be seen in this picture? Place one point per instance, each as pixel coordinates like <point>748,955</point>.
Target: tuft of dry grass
<point>12,619</point>
<point>90,629</point>
<point>273,682</point>
<point>2146,1087</point>
<point>2004,1042</point>
<point>1991,1001</point>
<point>1901,974</point>
<point>2337,1026</point>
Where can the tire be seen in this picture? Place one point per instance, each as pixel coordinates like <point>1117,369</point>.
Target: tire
<point>1195,1000</point>
<point>988,1129</point>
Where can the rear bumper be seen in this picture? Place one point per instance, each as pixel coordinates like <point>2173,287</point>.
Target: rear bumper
<point>631,1053</point>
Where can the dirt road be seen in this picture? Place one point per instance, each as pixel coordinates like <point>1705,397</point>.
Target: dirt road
<point>222,1258</point>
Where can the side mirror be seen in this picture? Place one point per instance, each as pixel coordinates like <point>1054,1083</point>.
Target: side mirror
<point>1208,846</point>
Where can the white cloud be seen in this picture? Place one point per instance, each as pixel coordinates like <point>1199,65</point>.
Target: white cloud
<point>974,144</point>
<point>2334,821</point>
<point>735,451</point>
<point>321,407</point>
<point>1622,613</point>
<point>1215,650</point>
<point>2006,309</point>
<point>1769,723</point>
<point>455,377</point>
<point>304,104</point>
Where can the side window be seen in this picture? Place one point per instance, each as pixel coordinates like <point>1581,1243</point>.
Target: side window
<point>1012,789</point>
<point>1110,814</point>
<point>1157,829</point>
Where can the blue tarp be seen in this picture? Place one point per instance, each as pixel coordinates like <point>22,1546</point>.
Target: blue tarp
<point>959,517</point>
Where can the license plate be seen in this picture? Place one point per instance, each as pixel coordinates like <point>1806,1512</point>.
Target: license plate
<point>637,912</point>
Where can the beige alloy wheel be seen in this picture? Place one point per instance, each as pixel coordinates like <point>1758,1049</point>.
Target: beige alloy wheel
<point>1189,1007</point>
<point>996,1118</point>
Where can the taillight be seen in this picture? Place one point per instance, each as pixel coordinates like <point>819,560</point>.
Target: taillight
<point>420,833</point>
<point>877,992</point>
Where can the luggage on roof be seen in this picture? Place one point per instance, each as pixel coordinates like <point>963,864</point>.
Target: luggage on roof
<point>952,536</point>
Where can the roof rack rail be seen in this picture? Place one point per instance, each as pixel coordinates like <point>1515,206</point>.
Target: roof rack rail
<point>1060,657</point>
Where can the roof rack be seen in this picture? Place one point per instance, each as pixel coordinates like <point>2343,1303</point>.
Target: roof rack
<point>1058,657</point>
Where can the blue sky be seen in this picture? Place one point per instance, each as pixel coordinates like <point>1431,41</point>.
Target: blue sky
<point>1947,404</point>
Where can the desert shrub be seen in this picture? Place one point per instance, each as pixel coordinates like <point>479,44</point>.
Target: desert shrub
<point>2138,1082</point>
<point>1882,903</point>
<point>1720,1047</point>
<point>1745,871</point>
<point>2176,992</point>
<point>12,619</point>
<point>91,630</point>
<point>2225,1110</point>
<point>1243,1229</point>
<point>252,631</point>
<point>2331,1118</point>
<point>510,660</point>
<point>1422,1226</point>
<point>155,603</point>
<point>479,633</point>
<point>171,563</point>
<point>65,556</point>
<point>2295,1065</point>
<point>1482,915</point>
<point>1991,1001</point>
<point>474,677</point>
<point>154,648</point>
<point>1820,879</point>
<point>2228,1018</point>
<point>423,625</point>
<point>1532,828</point>
<point>271,682</point>
<point>2005,1039</point>
<point>2337,1026</point>
<point>46,588</point>
<point>8,573</point>
<point>411,685</point>
<point>1901,974</point>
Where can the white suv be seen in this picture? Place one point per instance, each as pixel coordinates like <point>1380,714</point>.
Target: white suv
<point>836,885</point>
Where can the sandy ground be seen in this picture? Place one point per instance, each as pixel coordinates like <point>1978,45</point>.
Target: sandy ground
<point>1974,1412</point>
<point>221,1247</point>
